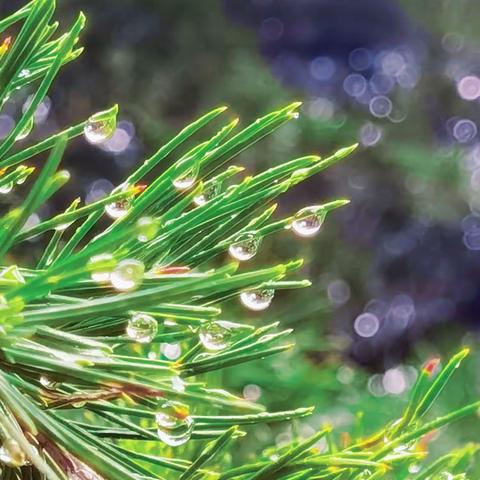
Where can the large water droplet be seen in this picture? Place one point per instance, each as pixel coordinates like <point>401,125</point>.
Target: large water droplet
<point>127,275</point>
<point>147,229</point>
<point>245,246</point>
<point>307,222</point>
<point>47,383</point>
<point>25,131</point>
<point>142,328</point>
<point>186,179</point>
<point>11,454</point>
<point>257,300</point>
<point>209,192</point>
<point>217,335</point>
<point>174,424</point>
<point>101,126</point>
<point>101,267</point>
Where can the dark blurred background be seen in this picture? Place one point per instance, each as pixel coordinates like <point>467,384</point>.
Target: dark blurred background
<point>395,273</point>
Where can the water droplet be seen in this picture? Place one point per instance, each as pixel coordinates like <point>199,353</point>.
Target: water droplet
<point>257,300</point>
<point>25,131</point>
<point>217,335</point>
<point>142,328</point>
<point>119,208</point>
<point>127,275</point>
<point>48,383</point>
<point>308,221</point>
<point>80,404</point>
<point>101,126</point>
<point>187,178</point>
<point>178,384</point>
<point>6,188</point>
<point>11,454</point>
<point>414,468</point>
<point>209,192</point>
<point>445,476</point>
<point>174,424</point>
<point>147,229</point>
<point>24,73</point>
<point>245,246</point>
<point>23,176</point>
<point>101,267</point>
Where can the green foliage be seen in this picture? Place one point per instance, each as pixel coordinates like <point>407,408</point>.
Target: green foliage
<point>86,390</point>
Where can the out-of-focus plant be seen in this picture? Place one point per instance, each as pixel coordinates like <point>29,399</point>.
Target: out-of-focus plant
<point>106,340</point>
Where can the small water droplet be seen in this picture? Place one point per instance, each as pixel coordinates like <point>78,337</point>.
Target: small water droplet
<point>62,227</point>
<point>119,208</point>
<point>101,267</point>
<point>142,328</point>
<point>186,179</point>
<point>101,126</point>
<point>24,73</point>
<point>209,192</point>
<point>80,404</point>
<point>127,275</point>
<point>245,246</point>
<point>25,131</point>
<point>147,229</point>
<point>257,300</point>
<point>11,454</point>
<point>6,188</point>
<point>178,384</point>
<point>23,177</point>
<point>307,222</point>
<point>48,383</point>
<point>174,424</point>
<point>445,476</point>
<point>217,335</point>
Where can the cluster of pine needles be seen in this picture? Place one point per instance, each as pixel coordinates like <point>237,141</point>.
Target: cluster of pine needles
<point>85,380</point>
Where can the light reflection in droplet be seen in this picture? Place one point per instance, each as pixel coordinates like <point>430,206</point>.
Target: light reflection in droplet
<point>322,68</point>
<point>469,87</point>
<point>321,108</point>
<point>394,381</point>
<point>464,130</point>
<point>393,63</point>
<point>121,138</point>
<point>370,134</point>
<point>171,351</point>
<point>355,84</point>
<point>366,325</point>
<point>381,84</point>
<point>252,392</point>
<point>375,385</point>
<point>360,59</point>
<point>98,189</point>
<point>338,292</point>
<point>380,106</point>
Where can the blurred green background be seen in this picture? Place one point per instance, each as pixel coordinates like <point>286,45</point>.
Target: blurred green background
<point>403,79</point>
